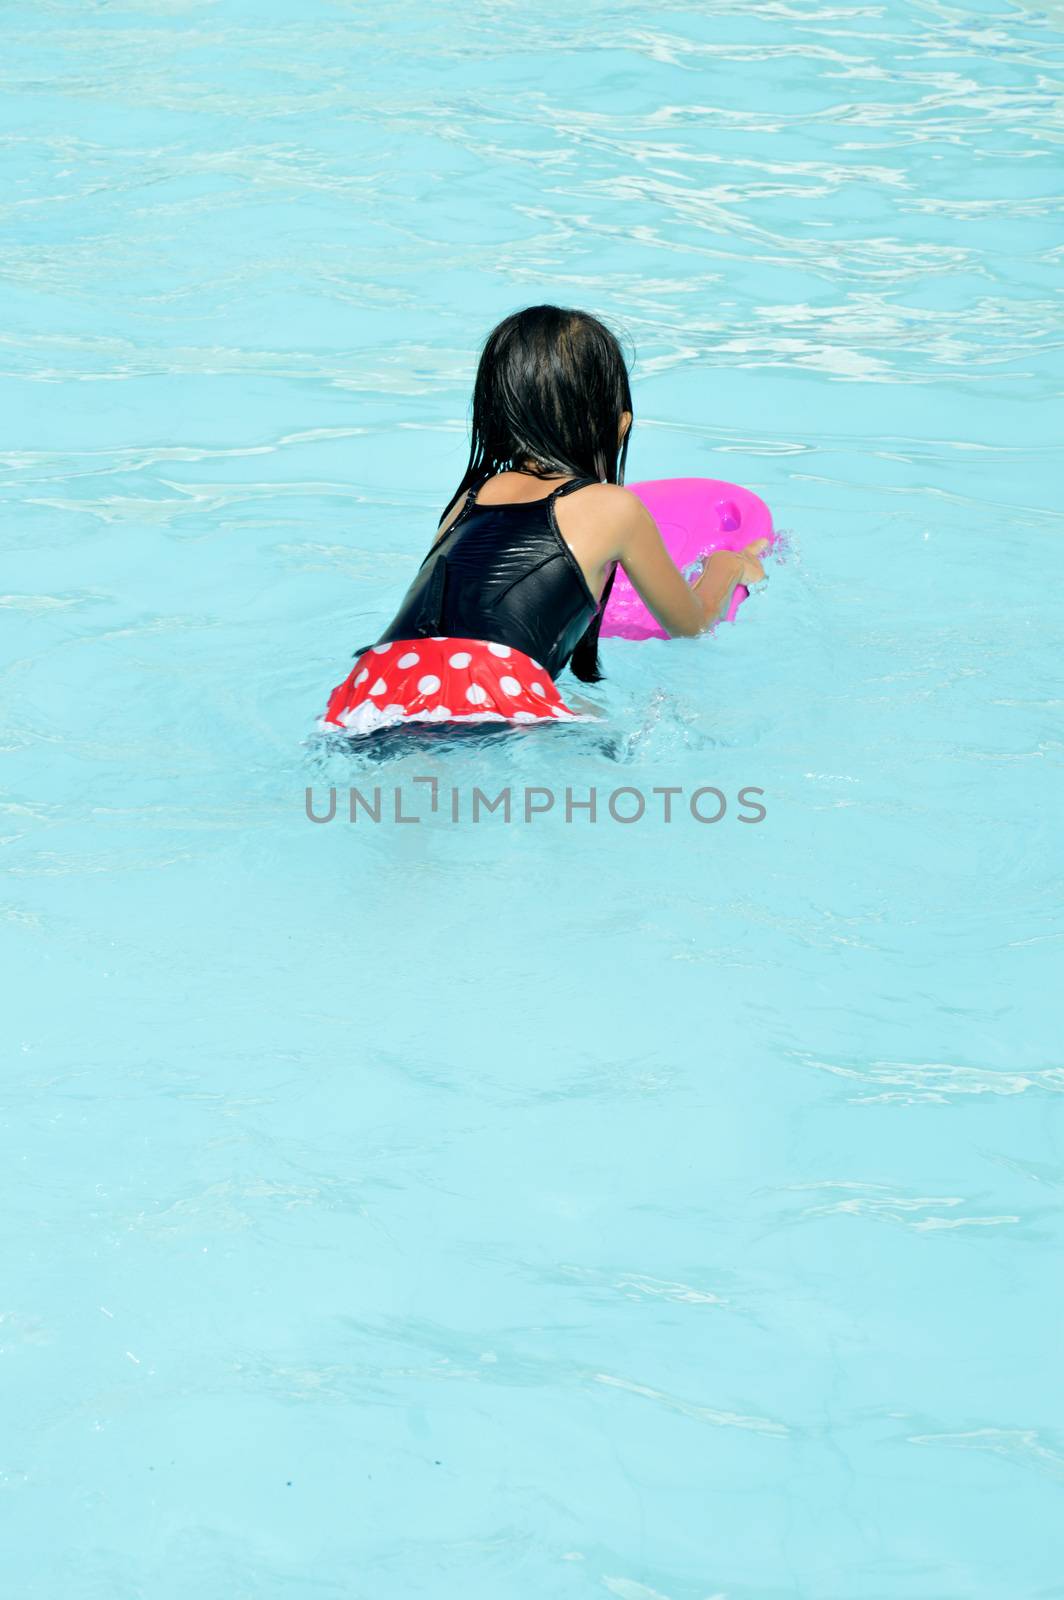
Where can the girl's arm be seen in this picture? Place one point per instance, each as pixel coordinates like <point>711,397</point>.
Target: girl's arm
<point>682,609</point>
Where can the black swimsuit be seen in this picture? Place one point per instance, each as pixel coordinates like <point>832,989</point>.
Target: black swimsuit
<point>504,574</point>
<point>496,610</point>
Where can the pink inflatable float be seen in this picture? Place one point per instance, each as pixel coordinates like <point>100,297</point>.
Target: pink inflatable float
<point>695,516</point>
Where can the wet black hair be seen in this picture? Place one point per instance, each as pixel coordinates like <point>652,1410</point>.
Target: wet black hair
<point>550,391</point>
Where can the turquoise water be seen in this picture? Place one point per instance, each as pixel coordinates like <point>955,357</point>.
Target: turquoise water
<point>511,1211</point>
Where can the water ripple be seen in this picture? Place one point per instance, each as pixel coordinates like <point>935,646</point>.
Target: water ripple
<point>936,1082</point>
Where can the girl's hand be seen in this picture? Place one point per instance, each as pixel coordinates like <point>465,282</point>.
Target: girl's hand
<point>724,570</point>
<point>752,570</point>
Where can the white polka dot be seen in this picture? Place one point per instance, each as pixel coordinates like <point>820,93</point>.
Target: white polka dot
<point>559,711</point>
<point>363,675</point>
<point>411,659</point>
<point>537,688</point>
<point>461,658</point>
<point>476,695</point>
<point>428,684</point>
<point>381,649</point>
<point>510,685</point>
<point>380,687</point>
<point>525,716</point>
<point>499,649</point>
<point>438,638</point>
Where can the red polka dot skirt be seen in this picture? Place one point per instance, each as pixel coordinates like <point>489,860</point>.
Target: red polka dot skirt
<point>443,680</point>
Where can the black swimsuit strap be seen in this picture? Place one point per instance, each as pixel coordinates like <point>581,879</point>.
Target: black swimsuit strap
<point>567,488</point>
<point>467,506</point>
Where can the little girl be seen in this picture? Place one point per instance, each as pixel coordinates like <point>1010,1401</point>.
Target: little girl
<point>515,584</point>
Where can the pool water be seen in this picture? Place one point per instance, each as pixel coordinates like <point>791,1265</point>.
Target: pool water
<point>512,1210</point>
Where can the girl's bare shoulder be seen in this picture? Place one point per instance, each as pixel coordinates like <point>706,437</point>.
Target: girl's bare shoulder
<point>609,505</point>
<point>611,499</point>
